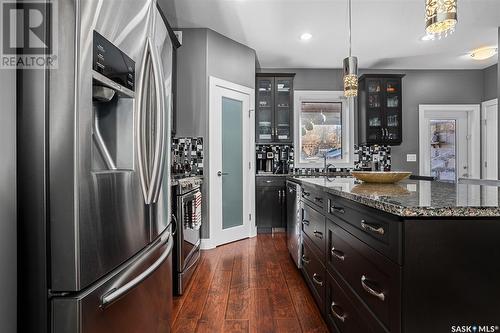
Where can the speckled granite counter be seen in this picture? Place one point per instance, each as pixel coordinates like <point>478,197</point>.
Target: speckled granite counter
<point>411,198</point>
<point>191,180</point>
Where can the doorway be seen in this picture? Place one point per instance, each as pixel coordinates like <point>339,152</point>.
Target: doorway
<point>449,142</point>
<point>489,148</point>
<point>231,166</point>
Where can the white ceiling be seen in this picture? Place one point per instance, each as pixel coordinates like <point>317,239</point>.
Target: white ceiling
<point>386,33</point>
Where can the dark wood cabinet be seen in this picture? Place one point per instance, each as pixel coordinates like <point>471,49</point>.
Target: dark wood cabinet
<point>274,105</point>
<point>377,272</point>
<point>380,105</point>
<point>270,203</point>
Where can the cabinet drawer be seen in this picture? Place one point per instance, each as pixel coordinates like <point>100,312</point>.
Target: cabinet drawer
<point>314,196</point>
<point>372,276</point>
<point>377,229</point>
<point>313,225</point>
<point>270,181</point>
<point>315,273</point>
<point>344,312</point>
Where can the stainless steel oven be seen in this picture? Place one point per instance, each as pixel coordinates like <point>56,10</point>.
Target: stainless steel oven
<point>188,236</point>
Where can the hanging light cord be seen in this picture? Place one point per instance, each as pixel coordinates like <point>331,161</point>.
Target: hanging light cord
<point>350,39</point>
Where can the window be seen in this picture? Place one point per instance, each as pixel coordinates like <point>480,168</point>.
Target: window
<point>324,123</point>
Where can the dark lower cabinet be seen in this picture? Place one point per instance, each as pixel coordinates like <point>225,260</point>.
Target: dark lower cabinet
<point>270,203</point>
<point>370,271</point>
<point>343,312</point>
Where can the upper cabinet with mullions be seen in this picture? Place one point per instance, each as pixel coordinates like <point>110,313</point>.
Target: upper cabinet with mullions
<point>274,105</point>
<point>380,109</point>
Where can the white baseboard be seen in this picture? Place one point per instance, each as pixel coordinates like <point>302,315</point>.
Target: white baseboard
<point>207,244</point>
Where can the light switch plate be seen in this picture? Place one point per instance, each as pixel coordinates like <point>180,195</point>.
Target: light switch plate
<point>411,157</point>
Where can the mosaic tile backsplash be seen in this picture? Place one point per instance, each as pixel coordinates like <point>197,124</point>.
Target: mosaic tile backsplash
<point>187,156</point>
<point>377,158</point>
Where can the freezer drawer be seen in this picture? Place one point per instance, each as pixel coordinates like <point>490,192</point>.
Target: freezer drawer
<point>136,298</point>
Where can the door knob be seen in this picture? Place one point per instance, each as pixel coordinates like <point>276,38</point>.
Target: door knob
<point>220,173</point>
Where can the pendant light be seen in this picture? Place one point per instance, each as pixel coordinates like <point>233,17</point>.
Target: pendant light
<point>440,17</point>
<point>350,66</point>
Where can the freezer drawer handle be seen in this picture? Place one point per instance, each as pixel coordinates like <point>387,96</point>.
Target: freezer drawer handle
<point>116,293</point>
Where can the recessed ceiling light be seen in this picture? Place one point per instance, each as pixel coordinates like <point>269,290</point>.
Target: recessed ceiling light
<point>483,53</point>
<point>305,36</point>
<point>428,37</point>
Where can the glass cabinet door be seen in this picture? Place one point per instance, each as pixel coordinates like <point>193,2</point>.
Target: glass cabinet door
<point>264,115</point>
<point>283,110</point>
<point>392,111</point>
<point>392,94</point>
<point>374,113</point>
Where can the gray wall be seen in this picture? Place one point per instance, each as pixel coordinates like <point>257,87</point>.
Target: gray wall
<point>8,229</point>
<point>206,53</point>
<point>419,87</point>
<point>490,83</point>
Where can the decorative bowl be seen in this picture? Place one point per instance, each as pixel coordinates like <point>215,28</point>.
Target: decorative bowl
<point>386,190</point>
<point>381,177</point>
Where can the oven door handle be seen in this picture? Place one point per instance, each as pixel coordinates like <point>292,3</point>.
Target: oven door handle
<point>175,222</point>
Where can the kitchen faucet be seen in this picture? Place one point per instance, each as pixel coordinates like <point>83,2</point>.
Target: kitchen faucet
<point>327,166</point>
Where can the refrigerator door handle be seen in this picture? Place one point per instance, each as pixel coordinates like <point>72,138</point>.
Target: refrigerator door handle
<point>159,153</point>
<point>142,130</point>
<point>116,293</point>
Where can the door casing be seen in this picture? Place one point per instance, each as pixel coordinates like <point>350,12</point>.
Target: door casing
<point>473,129</point>
<point>216,234</point>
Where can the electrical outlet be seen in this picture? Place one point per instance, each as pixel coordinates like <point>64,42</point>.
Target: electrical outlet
<point>411,187</point>
<point>411,157</point>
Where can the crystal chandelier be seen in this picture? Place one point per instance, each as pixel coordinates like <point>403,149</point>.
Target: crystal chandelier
<point>350,65</point>
<point>440,17</point>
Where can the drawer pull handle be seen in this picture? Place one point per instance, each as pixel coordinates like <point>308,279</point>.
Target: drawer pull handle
<point>305,222</point>
<point>338,254</point>
<point>269,181</point>
<point>337,210</point>
<point>342,317</point>
<point>373,228</point>
<point>319,282</point>
<point>371,291</point>
<point>318,234</point>
<point>318,199</point>
<point>305,260</point>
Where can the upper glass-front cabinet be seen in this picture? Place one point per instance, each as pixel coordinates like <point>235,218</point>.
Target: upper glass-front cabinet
<point>380,109</point>
<point>274,116</point>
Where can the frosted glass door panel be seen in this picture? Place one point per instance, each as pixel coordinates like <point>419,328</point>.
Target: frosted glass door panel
<point>232,163</point>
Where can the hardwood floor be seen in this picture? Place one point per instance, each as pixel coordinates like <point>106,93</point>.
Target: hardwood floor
<point>247,286</point>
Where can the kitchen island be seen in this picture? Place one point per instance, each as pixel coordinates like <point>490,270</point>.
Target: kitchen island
<point>416,256</point>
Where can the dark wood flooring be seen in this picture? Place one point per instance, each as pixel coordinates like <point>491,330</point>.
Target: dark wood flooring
<point>247,286</point>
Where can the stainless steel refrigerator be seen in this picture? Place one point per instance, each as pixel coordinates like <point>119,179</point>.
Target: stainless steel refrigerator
<point>94,234</point>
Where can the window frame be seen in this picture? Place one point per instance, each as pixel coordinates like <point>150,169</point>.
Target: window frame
<point>326,96</point>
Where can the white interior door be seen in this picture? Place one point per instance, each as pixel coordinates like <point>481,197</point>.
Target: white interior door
<point>489,148</point>
<point>231,167</point>
<point>448,141</point>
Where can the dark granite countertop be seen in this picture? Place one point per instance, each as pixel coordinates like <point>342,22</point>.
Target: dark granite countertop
<point>413,198</point>
<point>194,180</point>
